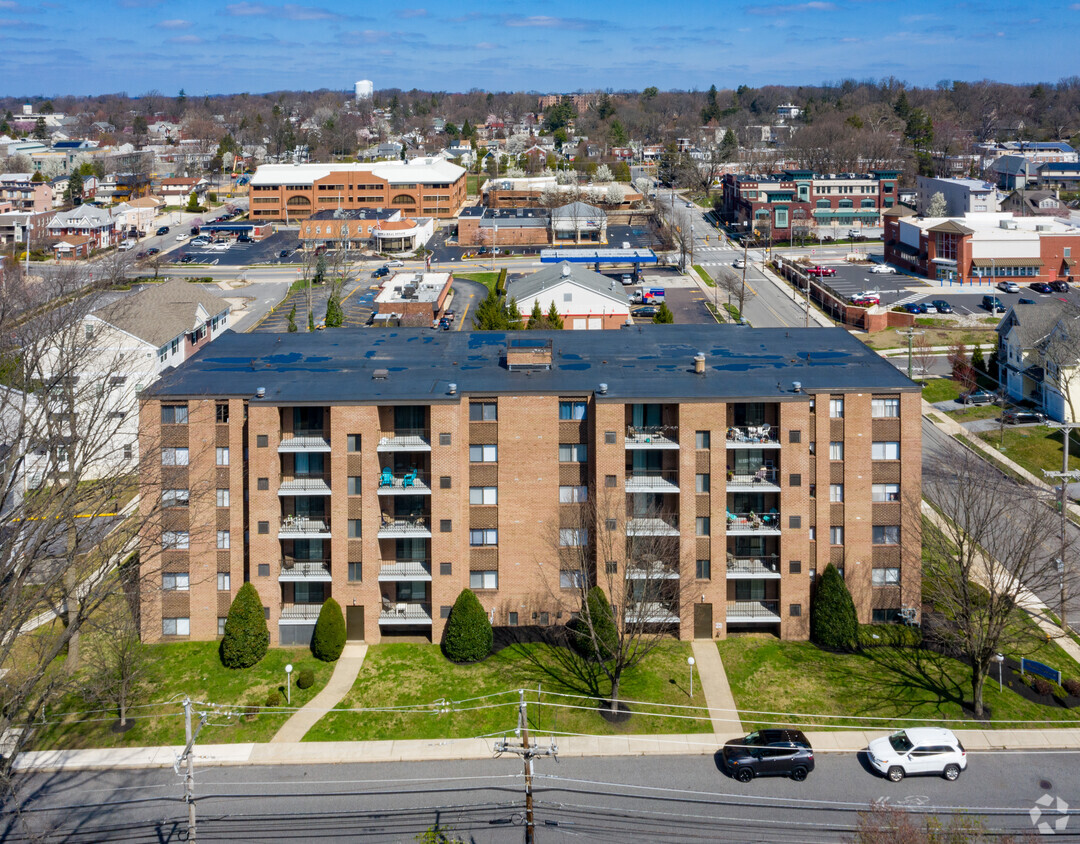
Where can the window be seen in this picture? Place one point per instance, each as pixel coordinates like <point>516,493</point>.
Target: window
<point>222,455</point>
<point>223,540</point>
<point>483,537</point>
<point>354,528</point>
<point>175,539</point>
<point>571,410</point>
<point>483,411</point>
<point>355,571</point>
<point>885,577</point>
<point>885,451</point>
<point>544,619</point>
<point>174,457</point>
<point>701,439</point>
<point>610,481</point>
<point>702,526</point>
<point>795,567</point>
<point>222,498</point>
<point>795,610</point>
<point>444,482</point>
<point>704,569</point>
<point>610,438</point>
<point>611,566</point>
<point>836,408</point>
<point>836,535</point>
<point>794,436</point>
<point>444,611</point>
<point>573,494</point>
<point>836,493</point>
<point>795,480</point>
<point>812,448</point>
<point>886,535</point>
<point>573,537</point>
<point>354,485</point>
<point>794,522</point>
<point>444,439</point>
<point>446,568</point>
<point>812,533</point>
<point>884,408</point>
<point>446,525</point>
<point>512,619</point>
<point>484,495</point>
<point>571,579</point>
<point>174,414</point>
<point>262,527</point>
<point>262,441</point>
<point>221,624</point>
<point>128,452</point>
<point>353,442</point>
<point>175,582</point>
<point>573,453</point>
<point>174,498</point>
<point>836,451</point>
<point>483,453</point>
<point>702,483</point>
<point>262,483</point>
<point>175,627</point>
<point>885,492</point>
<point>484,579</point>
<point>224,581</point>
<point>221,413</point>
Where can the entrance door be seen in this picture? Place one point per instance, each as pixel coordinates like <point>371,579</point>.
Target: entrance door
<point>702,621</point>
<point>354,624</point>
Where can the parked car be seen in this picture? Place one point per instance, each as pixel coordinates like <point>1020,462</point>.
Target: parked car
<point>1020,416</point>
<point>163,230</point>
<point>1041,287</point>
<point>1024,301</point>
<point>188,259</point>
<point>245,238</point>
<point>380,272</point>
<point>1009,286</point>
<point>181,236</point>
<point>1059,286</point>
<point>977,397</point>
<point>869,295</point>
<point>821,272</point>
<point>942,306</point>
<point>199,241</point>
<point>627,278</point>
<point>993,304</point>
<point>140,255</point>
<point>153,250</point>
<point>915,308</point>
<point>918,750</point>
<point>284,253</point>
<point>882,268</point>
<point>645,311</point>
<point>780,752</point>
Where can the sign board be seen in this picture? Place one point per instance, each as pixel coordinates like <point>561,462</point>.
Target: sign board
<point>1030,666</point>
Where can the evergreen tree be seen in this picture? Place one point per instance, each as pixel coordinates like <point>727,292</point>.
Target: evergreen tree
<point>595,632</point>
<point>246,637</point>
<point>536,317</point>
<point>320,270</point>
<point>513,315</point>
<point>74,191</point>
<point>833,621</point>
<point>41,131</point>
<point>292,319</point>
<point>553,319</point>
<point>605,108</point>
<point>335,314</point>
<point>193,202</point>
<point>729,146</point>
<point>467,636</point>
<point>310,320</point>
<point>663,315</point>
<point>328,638</point>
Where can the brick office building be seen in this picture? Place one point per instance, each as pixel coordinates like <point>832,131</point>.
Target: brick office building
<point>393,469</point>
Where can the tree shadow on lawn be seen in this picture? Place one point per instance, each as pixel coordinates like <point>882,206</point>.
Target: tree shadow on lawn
<point>554,660</point>
<point>918,679</point>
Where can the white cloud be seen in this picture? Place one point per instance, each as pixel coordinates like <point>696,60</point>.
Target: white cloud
<point>175,23</point>
<point>412,13</point>
<point>794,8</point>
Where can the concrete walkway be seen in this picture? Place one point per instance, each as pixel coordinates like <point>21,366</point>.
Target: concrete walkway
<point>339,685</point>
<point>714,685</point>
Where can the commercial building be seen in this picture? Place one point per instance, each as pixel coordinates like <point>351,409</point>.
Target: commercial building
<point>576,222</point>
<point>962,196</point>
<point>412,298</point>
<point>532,192</point>
<point>344,229</point>
<point>585,300</point>
<point>419,187</point>
<point>392,469</point>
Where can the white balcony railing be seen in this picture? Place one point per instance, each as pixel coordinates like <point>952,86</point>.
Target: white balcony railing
<point>652,526</point>
<point>300,612</point>
<point>303,441</point>
<point>652,436</point>
<point>417,570</point>
<point>304,570</point>
<point>652,481</point>
<point>753,436</point>
<point>400,527</point>
<point>757,523</point>
<point>753,611</point>
<point>405,439</point>
<point>405,613</point>
<point>764,567</point>
<point>300,527</point>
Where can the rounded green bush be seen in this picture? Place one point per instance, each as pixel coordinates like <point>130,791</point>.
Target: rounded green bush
<point>328,640</point>
<point>833,621</point>
<point>595,632</point>
<point>305,679</point>
<point>273,699</point>
<point>246,636</point>
<point>467,636</point>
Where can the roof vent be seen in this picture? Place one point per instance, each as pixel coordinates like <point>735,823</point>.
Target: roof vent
<point>380,374</point>
<point>566,271</point>
<point>699,363</point>
<point>603,389</point>
<point>261,392</point>
<point>796,386</point>
<point>453,389</point>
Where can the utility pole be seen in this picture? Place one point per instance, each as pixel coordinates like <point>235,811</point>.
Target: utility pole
<point>527,752</point>
<point>1065,475</point>
<point>188,756</point>
<point>911,334</point>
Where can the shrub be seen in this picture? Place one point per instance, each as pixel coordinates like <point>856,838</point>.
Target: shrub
<point>273,699</point>
<point>467,636</point>
<point>1040,686</point>
<point>305,679</point>
<point>246,637</point>
<point>890,635</point>
<point>328,640</point>
<point>833,622</point>
<point>595,633</point>
<point>1072,686</point>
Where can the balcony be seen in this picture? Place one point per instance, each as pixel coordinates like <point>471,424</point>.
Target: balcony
<point>763,480</point>
<point>651,612</point>
<point>652,481</point>
<point>313,484</point>
<point>299,613</point>
<point>757,568</point>
<point>311,441</point>
<point>405,439</point>
<point>308,571</point>
<point>415,570</point>
<point>656,570</point>
<point>404,527</point>
<point>765,524</point>
<point>754,612</point>
<point>652,526</point>
<point>408,483</point>
<point>652,436</point>
<point>753,436</point>
<point>301,527</point>
<point>404,613</point>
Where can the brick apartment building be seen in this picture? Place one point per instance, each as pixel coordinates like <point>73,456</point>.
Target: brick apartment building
<point>812,200</point>
<point>392,469</point>
<point>420,187</point>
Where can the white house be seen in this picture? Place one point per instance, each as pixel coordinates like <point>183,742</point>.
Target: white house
<point>1039,356</point>
<point>584,299</point>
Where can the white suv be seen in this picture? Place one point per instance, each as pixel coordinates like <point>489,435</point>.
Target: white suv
<point>918,750</point>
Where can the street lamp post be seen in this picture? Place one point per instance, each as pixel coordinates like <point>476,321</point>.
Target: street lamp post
<point>998,658</point>
<point>288,683</point>
<point>690,662</point>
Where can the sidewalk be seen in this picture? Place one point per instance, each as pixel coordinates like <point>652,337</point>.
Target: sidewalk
<point>339,685</point>
<point>714,685</point>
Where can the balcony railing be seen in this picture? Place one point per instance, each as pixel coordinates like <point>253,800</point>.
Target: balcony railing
<point>405,439</point>
<point>753,522</point>
<point>315,483</point>
<point>300,612</point>
<point>651,612</point>
<point>315,570</point>
<point>304,440</point>
<point>765,611</point>
<point>752,436</point>
<point>652,526</point>
<point>303,526</point>
<point>763,477</point>
<point>764,566</point>
<point>405,613</point>
<point>405,483</point>
<point>652,481</point>
<point>656,570</point>
<point>652,436</point>
<point>393,527</point>
<point>419,570</point>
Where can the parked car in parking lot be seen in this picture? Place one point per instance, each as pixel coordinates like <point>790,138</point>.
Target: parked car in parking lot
<point>1024,301</point>
<point>882,268</point>
<point>821,272</point>
<point>993,304</point>
<point>284,253</point>
<point>918,750</point>
<point>645,311</point>
<point>1009,286</point>
<point>915,308</point>
<point>977,397</point>
<point>153,250</point>
<point>379,272</point>
<point>402,263</point>
<point>188,259</point>
<point>1041,287</point>
<point>778,752</point>
<point>1020,416</point>
<point>942,306</point>
<point>1059,286</point>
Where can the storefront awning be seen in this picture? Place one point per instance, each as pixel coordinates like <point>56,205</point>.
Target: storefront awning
<point>1006,262</point>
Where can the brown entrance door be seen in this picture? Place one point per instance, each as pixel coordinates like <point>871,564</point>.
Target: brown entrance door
<point>702,621</point>
<point>354,624</point>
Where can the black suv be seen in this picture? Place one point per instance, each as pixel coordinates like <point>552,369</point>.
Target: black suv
<point>784,752</point>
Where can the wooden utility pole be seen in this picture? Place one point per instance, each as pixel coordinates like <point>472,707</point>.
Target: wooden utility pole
<point>911,334</point>
<point>527,752</point>
<point>1065,475</point>
<point>188,757</point>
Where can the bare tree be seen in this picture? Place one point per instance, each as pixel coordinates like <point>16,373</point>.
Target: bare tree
<point>117,660</point>
<point>923,354</point>
<point>733,284</point>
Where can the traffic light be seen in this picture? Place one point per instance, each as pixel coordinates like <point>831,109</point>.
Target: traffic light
<point>706,238</point>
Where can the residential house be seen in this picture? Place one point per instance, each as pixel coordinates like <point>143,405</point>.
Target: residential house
<point>1034,203</point>
<point>21,193</point>
<point>85,221</point>
<point>178,190</point>
<point>962,196</point>
<point>584,299</point>
<point>1039,356</point>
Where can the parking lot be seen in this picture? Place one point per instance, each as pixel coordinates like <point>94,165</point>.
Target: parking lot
<point>235,254</point>
<point>893,288</point>
<point>357,303</point>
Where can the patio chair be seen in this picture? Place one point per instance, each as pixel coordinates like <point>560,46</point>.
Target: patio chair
<point>763,432</point>
<point>401,609</point>
<point>387,605</point>
<point>386,478</point>
<point>387,520</point>
<point>409,479</point>
<point>761,475</point>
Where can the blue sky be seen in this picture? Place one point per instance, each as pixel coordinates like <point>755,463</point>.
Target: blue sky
<point>225,46</point>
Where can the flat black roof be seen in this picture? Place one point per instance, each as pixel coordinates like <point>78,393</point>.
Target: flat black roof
<point>337,366</point>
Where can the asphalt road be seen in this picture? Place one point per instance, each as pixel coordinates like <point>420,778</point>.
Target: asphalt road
<point>673,798</point>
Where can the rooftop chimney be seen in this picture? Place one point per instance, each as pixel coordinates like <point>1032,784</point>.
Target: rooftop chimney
<point>699,363</point>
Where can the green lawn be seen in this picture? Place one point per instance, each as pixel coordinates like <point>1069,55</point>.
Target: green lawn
<point>891,339</point>
<point>704,276</point>
<point>473,183</point>
<point>1035,448</point>
<point>486,279</point>
<point>767,675</point>
<point>982,411</point>
<point>399,675</point>
<point>194,669</point>
<point>940,389</point>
